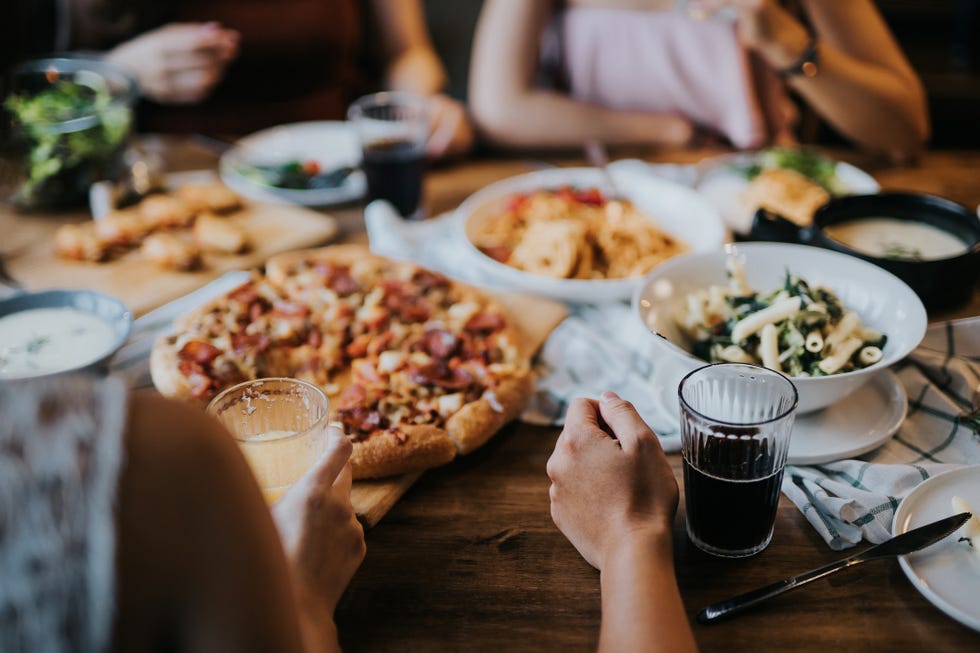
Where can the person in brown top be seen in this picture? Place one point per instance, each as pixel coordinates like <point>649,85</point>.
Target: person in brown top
<point>235,66</point>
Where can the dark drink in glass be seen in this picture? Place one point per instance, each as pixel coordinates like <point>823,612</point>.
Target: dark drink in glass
<point>394,170</point>
<point>731,497</point>
<point>735,427</point>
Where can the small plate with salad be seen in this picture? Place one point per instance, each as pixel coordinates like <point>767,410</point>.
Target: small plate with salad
<point>306,163</point>
<point>790,181</point>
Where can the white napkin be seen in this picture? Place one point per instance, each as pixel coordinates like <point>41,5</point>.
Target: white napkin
<point>849,500</point>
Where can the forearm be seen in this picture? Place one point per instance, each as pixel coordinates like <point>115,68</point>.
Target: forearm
<point>544,119</point>
<point>871,106</point>
<point>316,622</point>
<point>864,86</point>
<point>417,70</point>
<point>641,604</point>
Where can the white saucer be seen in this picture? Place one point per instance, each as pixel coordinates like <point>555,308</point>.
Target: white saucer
<point>863,421</point>
<point>330,143</point>
<point>948,572</point>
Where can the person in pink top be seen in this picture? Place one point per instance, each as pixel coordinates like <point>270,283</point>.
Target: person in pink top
<point>661,71</point>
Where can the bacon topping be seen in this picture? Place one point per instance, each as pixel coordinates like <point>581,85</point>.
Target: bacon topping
<point>361,421</point>
<point>428,280</point>
<point>485,323</point>
<point>354,395</point>
<point>439,343</point>
<point>440,374</point>
<point>243,343</point>
<point>337,278</point>
<point>246,293</point>
<point>285,308</point>
<point>402,302</point>
<point>199,351</point>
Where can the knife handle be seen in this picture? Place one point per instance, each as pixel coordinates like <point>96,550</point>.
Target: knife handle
<point>745,601</point>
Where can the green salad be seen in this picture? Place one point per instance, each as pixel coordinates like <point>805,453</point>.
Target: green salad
<point>799,329</point>
<point>72,134</point>
<point>808,163</point>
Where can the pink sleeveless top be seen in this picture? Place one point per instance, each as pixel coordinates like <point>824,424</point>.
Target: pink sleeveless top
<point>663,61</point>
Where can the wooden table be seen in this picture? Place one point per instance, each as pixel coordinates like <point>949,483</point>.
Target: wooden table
<point>470,560</point>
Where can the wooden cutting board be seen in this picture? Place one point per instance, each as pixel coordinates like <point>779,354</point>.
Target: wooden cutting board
<point>29,255</point>
<point>536,318</point>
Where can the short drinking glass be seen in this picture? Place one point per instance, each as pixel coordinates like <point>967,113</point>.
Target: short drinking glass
<point>735,428</point>
<point>280,425</point>
<point>393,128</point>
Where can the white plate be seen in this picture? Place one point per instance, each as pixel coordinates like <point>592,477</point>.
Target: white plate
<point>723,187</point>
<point>863,421</point>
<point>332,144</point>
<point>948,572</point>
<point>675,208</point>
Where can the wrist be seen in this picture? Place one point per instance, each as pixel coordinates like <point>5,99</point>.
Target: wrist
<point>648,542</point>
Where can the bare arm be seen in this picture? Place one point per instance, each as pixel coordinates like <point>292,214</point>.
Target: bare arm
<point>412,65</point>
<point>629,540</point>
<point>510,111</point>
<point>865,88</point>
<point>200,562</point>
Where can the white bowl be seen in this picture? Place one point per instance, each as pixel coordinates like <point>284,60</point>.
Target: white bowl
<point>676,209</point>
<point>881,300</point>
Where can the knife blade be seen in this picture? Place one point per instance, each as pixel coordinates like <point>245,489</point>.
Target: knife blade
<point>913,540</point>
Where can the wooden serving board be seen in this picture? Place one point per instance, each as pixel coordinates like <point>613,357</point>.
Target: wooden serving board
<point>536,318</point>
<point>141,285</point>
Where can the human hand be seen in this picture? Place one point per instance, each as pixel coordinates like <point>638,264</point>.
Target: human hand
<point>179,63</point>
<point>451,131</point>
<point>607,454</point>
<point>323,540</point>
<point>766,27</point>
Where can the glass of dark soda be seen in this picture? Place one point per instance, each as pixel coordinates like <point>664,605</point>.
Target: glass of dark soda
<point>392,128</point>
<point>736,422</point>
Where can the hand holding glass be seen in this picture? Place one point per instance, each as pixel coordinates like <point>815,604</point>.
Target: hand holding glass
<point>280,425</point>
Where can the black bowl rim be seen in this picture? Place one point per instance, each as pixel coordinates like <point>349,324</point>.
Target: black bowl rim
<point>937,201</point>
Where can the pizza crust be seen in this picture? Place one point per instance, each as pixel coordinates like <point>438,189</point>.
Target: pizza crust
<point>475,423</point>
<point>165,369</point>
<point>381,454</point>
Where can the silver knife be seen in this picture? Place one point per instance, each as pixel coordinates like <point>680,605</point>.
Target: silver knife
<point>913,540</point>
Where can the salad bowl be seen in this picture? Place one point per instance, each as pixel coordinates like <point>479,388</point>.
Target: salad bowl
<point>881,300</point>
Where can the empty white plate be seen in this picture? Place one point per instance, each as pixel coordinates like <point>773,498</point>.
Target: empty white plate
<point>947,573</point>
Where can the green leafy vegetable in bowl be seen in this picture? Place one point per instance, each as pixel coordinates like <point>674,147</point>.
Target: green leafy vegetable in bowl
<point>808,163</point>
<point>294,174</point>
<point>70,127</point>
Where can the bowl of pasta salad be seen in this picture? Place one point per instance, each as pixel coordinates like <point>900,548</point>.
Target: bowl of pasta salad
<point>563,233</point>
<point>826,320</point>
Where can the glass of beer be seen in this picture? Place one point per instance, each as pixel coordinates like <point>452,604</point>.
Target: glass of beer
<point>393,128</point>
<point>280,425</point>
<point>735,429</point>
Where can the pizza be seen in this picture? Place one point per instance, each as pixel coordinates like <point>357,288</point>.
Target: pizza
<point>418,368</point>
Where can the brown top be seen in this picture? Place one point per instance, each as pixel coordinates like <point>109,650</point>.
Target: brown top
<point>300,60</point>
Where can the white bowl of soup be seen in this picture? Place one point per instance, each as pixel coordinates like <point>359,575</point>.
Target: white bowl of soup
<point>57,331</point>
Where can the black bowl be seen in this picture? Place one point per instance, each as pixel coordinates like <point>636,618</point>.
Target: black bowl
<point>940,283</point>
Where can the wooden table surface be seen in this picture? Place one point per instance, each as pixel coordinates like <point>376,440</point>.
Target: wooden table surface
<point>470,560</point>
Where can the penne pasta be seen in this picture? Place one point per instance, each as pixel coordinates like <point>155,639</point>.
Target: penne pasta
<point>840,356</point>
<point>769,347</point>
<point>755,321</point>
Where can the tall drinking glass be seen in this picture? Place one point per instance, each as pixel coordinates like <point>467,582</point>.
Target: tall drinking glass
<point>735,429</point>
<point>393,128</point>
<point>280,425</point>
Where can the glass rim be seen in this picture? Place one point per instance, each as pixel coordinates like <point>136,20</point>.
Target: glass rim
<point>756,369</point>
<point>282,379</point>
<point>357,107</point>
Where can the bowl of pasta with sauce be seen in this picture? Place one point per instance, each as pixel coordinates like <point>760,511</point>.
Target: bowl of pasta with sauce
<point>564,234</point>
<point>826,320</point>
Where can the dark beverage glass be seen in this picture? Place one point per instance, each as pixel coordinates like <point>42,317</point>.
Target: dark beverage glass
<point>736,422</point>
<point>392,129</point>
